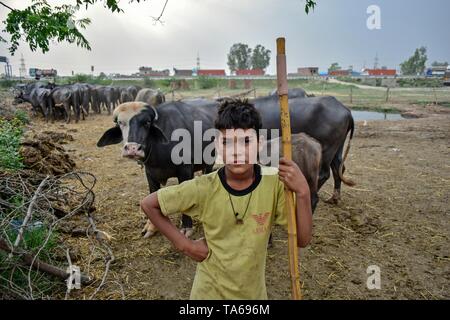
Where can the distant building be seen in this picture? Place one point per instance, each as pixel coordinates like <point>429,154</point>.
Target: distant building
<point>308,72</point>
<point>437,71</point>
<point>182,72</point>
<point>211,72</point>
<point>379,72</point>
<point>38,73</point>
<point>250,72</point>
<point>149,72</point>
<point>339,73</point>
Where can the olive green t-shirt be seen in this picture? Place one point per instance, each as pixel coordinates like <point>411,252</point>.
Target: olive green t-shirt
<point>235,265</point>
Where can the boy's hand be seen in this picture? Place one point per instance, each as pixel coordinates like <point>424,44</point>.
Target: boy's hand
<point>293,177</point>
<point>197,249</point>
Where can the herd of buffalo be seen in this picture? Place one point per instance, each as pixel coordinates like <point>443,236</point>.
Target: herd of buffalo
<point>144,123</point>
<point>58,101</point>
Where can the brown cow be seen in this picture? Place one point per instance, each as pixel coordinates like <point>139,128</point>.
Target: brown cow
<point>307,154</point>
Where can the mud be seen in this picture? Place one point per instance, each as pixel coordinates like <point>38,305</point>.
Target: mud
<point>396,217</point>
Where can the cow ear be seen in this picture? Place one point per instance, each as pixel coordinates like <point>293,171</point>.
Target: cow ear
<point>157,135</point>
<point>111,136</point>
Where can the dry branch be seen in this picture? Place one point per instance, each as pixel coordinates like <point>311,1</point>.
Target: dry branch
<point>31,261</point>
<point>46,201</point>
<point>28,216</point>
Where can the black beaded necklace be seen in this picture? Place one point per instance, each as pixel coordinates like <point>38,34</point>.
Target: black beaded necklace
<point>236,214</point>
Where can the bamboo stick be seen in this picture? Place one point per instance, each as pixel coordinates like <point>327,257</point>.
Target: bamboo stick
<point>287,153</point>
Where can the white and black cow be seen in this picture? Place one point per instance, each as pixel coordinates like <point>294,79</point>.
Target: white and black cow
<point>146,133</point>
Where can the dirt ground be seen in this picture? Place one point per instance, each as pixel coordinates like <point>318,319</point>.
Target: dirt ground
<point>396,217</point>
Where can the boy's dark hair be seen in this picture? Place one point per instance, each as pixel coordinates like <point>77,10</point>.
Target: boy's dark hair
<point>238,114</point>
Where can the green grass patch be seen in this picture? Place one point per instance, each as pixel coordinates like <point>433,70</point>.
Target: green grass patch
<point>34,240</point>
<point>11,132</point>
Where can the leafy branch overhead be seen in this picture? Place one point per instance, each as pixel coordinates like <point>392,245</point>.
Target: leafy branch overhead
<point>41,24</point>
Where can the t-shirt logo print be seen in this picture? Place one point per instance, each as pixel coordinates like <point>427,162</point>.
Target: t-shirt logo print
<point>261,218</point>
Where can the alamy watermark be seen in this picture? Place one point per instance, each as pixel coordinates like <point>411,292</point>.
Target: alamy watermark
<point>374,19</point>
<point>230,146</point>
<point>374,278</point>
<point>74,279</point>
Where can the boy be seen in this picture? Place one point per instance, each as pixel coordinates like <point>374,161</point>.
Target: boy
<point>237,205</point>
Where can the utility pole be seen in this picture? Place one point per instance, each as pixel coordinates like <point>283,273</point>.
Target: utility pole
<point>198,61</point>
<point>23,69</point>
<point>375,65</point>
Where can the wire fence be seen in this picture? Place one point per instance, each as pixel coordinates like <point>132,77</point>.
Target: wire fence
<point>380,96</point>
<point>347,93</point>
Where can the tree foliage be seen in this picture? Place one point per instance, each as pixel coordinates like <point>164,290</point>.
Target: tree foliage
<point>242,57</point>
<point>239,57</point>
<point>40,24</point>
<point>334,67</point>
<point>416,64</point>
<point>260,57</point>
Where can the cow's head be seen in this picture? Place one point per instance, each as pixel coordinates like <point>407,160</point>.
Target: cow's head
<point>18,94</point>
<point>136,127</point>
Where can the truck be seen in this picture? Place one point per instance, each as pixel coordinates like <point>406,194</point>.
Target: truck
<point>38,73</point>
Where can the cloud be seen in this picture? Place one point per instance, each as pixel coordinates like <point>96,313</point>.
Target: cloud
<point>335,32</point>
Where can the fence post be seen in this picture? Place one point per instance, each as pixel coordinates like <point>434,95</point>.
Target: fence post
<point>351,94</point>
<point>387,94</point>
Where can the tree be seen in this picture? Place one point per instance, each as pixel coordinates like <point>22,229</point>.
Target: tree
<point>416,64</point>
<point>239,57</point>
<point>260,57</point>
<point>334,67</point>
<point>39,24</point>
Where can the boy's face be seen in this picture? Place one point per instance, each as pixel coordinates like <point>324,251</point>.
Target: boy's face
<point>238,149</point>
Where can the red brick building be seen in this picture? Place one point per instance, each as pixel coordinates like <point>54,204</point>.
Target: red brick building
<point>149,72</point>
<point>182,72</point>
<point>379,72</point>
<point>308,71</point>
<point>250,72</point>
<point>211,72</point>
<point>339,73</point>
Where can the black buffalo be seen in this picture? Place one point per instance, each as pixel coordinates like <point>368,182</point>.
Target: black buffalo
<point>325,119</point>
<point>146,133</point>
<point>292,93</point>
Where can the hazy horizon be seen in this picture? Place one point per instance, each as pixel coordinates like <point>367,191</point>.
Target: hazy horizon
<point>334,32</point>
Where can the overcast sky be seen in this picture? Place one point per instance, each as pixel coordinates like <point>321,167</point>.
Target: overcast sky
<point>335,32</point>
